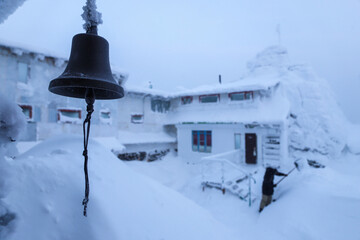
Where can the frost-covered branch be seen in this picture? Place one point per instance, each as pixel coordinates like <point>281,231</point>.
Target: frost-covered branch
<point>91,17</point>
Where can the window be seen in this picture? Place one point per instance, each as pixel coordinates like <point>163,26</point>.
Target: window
<point>23,72</point>
<point>237,140</point>
<point>186,100</point>
<point>201,141</point>
<point>159,105</point>
<point>137,118</point>
<point>69,115</point>
<point>240,96</point>
<point>105,116</point>
<point>28,112</point>
<point>209,98</point>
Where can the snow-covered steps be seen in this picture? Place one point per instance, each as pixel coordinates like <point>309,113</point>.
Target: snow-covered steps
<point>240,187</point>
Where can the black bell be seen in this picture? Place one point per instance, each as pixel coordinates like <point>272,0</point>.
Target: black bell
<point>88,68</point>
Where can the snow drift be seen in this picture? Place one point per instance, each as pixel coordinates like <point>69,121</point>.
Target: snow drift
<point>47,188</point>
<point>12,121</point>
<point>316,123</point>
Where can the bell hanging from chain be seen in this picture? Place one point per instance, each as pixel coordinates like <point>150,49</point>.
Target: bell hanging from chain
<point>88,76</point>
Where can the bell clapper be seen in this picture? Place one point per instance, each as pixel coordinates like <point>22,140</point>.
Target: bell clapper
<point>90,99</point>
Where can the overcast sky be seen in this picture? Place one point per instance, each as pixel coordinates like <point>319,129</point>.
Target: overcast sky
<point>175,43</point>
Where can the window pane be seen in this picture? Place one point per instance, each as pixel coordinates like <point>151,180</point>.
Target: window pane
<point>194,141</point>
<point>208,149</point>
<point>201,148</point>
<point>71,114</point>
<point>194,137</point>
<point>27,111</point>
<point>186,100</point>
<point>208,138</point>
<point>248,95</point>
<point>209,99</point>
<point>153,103</point>
<point>202,138</point>
<point>22,72</point>
<point>237,96</point>
<point>137,118</point>
<point>166,105</point>
<point>237,140</point>
<point>105,115</point>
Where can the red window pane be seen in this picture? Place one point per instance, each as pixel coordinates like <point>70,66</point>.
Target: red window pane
<point>195,138</point>
<point>208,138</point>
<point>202,138</point>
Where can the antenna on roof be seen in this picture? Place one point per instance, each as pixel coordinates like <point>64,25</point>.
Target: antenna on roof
<point>278,31</point>
<point>220,78</point>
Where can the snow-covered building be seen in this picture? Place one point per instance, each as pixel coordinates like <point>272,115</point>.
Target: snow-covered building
<point>25,78</point>
<point>238,116</point>
<point>275,111</point>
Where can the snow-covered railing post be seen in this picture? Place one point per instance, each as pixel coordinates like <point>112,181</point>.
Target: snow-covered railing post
<point>250,178</point>
<point>222,177</point>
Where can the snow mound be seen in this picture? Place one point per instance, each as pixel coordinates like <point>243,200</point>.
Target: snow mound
<point>12,122</point>
<point>315,119</point>
<point>47,189</point>
<point>274,56</point>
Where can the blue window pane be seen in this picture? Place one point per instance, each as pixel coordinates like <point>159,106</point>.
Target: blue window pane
<point>237,96</point>
<point>209,99</point>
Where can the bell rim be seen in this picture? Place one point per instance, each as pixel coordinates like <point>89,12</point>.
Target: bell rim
<point>58,84</point>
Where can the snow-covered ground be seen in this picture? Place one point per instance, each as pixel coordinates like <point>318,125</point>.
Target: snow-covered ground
<point>46,188</point>
<point>311,203</point>
<point>164,199</point>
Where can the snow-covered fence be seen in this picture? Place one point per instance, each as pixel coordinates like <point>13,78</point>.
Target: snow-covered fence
<point>223,171</point>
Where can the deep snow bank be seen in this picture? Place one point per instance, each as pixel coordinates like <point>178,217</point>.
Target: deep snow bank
<point>12,121</point>
<point>311,203</point>
<point>47,187</point>
<point>316,123</point>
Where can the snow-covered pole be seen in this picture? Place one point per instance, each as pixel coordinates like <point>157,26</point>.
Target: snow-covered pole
<point>91,17</point>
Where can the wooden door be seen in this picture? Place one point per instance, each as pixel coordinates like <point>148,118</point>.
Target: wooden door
<point>250,148</point>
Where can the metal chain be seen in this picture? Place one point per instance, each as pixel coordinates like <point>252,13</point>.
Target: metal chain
<point>90,110</point>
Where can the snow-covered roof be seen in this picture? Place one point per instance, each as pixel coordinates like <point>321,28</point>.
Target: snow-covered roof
<point>127,137</point>
<point>147,91</point>
<point>273,110</point>
<point>8,7</point>
<point>245,84</point>
<point>20,47</point>
<point>111,143</point>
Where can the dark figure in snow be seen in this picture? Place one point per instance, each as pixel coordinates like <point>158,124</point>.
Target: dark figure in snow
<point>268,186</point>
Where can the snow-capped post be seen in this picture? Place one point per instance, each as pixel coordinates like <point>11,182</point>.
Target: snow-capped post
<point>88,76</point>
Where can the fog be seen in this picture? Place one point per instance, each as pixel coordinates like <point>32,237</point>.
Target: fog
<point>177,44</point>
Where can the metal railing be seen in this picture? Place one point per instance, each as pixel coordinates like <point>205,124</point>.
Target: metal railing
<point>219,168</point>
